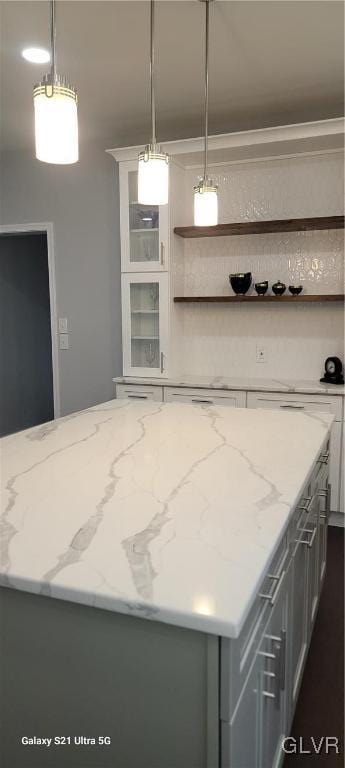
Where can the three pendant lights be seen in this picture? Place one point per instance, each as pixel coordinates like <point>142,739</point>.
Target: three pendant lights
<point>56,132</point>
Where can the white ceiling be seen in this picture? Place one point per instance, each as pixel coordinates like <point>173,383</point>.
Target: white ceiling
<point>272,62</point>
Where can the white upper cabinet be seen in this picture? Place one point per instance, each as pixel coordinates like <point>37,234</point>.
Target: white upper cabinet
<point>144,228</point>
<point>145,324</point>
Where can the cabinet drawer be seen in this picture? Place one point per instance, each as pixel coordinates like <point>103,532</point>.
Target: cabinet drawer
<point>319,403</point>
<point>205,396</point>
<point>237,655</point>
<point>138,392</point>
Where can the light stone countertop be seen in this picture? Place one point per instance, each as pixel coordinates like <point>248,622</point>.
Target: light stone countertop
<point>310,387</point>
<point>167,511</point>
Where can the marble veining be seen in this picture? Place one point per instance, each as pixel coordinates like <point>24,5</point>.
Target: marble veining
<point>167,511</point>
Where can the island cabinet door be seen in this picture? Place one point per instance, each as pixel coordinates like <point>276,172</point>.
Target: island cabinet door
<point>325,504</point>
<point>240,739</point>
<point>275,676</point>
<point>311,540</point>
<point>299,609</point>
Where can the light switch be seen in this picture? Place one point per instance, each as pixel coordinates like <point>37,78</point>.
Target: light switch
<point>63,325</point>
<point>64,341</point>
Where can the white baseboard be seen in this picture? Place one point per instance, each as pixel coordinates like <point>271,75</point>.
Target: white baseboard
<point>337,519</point>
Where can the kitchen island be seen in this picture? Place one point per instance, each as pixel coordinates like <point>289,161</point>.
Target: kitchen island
<point>187,548</point>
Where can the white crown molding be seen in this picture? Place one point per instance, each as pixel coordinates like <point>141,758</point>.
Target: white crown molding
<point>266,158</point>
<point>320,129</point>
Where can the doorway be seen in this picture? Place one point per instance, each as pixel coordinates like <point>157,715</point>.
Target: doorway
<point>26,351</point>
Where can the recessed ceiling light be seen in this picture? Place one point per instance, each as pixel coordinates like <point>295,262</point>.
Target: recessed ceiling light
<point>36,55</point>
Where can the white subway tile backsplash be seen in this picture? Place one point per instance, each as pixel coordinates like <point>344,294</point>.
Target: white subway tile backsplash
<point>222,339</point>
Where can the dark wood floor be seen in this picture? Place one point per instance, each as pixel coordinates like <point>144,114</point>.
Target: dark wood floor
<point>320,707</point>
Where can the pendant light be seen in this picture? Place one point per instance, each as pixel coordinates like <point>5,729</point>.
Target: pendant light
<point>206,192</point>
<point>153,167</point>
<point>56,119</point>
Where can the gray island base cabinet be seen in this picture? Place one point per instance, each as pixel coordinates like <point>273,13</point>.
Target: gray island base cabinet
<point>167,697</point>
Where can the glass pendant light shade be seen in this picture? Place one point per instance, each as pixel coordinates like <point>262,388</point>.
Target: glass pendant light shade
<point>56,122</point>
<point>153,176</point>
<point>205,204</point>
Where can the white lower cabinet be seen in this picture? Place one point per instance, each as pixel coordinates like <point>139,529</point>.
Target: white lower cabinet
<point>137,392</point>
<point>254,726</point>
<point>233,399</point>
<point>145,302</point>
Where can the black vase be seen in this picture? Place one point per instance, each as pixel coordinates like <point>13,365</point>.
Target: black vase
<point>279,288</point>
<point>261,288</point>
<point>241,282</point>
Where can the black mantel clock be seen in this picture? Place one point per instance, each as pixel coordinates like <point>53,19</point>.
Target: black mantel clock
<point>333,371</point>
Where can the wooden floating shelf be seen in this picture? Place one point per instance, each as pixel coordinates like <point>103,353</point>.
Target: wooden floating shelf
<point>261,227</point>
<point>260,299</point>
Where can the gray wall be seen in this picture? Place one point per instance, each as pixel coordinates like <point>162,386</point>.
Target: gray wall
<point>82,201</point>
<point>26,374</point>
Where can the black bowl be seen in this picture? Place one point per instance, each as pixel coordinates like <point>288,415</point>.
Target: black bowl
<point>261,288</point>
<point>295,289</point>
<point>240,282</point>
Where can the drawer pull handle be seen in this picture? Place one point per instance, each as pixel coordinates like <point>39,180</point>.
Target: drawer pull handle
<point>206,402</point>
<point>308,542</point>
<point>308,500</point>
<point>272,596</point>
<point>279,646</point>
<point>268,695</point>
<point>138,397</point>
<point>324,458</point>
<point>267,655</point>
<point>294,407</point>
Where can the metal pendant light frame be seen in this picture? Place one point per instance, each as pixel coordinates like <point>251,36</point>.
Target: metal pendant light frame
<point>206,184</point>
<point>53,84</point>
<point>153,151</point>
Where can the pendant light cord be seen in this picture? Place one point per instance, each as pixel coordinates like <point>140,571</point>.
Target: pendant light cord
<point>53,38</point>
<point>207,3</point>
<point>152,60</point>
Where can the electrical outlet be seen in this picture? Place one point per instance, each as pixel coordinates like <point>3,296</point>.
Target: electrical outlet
<point>64,341</point>
<point>261,354</point>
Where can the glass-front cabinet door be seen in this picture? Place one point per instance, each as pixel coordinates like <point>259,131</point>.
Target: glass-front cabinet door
<point>144,228</point>
<point>145,324</point>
